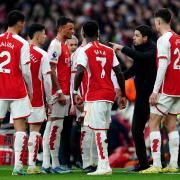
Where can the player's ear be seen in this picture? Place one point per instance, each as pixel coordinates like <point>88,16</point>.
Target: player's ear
<point>60,29</point>
<point>145,38</point>
<point>159,21</point>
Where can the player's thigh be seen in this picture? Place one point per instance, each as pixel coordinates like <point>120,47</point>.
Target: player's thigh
<point>4,106</point>
<point>21,108</point>
<point>163,105</point>
<point>99,115</point>
<point>175,108</point>
<point>60,111</point>
<point>170,122</point>
<point>37,116</point>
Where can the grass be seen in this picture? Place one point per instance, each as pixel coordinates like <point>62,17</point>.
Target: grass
<point>118,174</point>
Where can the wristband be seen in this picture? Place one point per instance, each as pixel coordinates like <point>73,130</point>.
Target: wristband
<point>59,91</point>
<point>75,92</point>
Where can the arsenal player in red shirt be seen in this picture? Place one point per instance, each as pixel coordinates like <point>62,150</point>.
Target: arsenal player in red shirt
<point>41,80</point>
<point>98,60</point>
<point>14,73</point>
<point>165,99</point>
<point>59,57</point>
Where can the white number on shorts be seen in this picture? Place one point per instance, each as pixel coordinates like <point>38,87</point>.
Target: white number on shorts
<point>103,62</point>
<point>4,63</point>
<point>176,66</point>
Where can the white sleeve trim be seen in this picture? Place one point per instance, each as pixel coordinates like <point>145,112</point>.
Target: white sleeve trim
<point>163,64</point>
<point>47,87</point>
<point>115,60</point>
<point>54,51</point>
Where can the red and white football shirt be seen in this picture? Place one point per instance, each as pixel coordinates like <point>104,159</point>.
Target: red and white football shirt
<point>39,67</point>
<point>83,87</point>
<point>98,60</point>
<point>58,53</point>
<point>168,47</point>
<point>14,52</point>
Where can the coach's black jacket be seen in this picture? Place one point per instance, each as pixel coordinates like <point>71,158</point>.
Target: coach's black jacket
<point>143,69</point>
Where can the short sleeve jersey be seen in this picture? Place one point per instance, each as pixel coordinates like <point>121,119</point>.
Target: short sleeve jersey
<point>168,48</point>
<point>58,53</point>
<point>83,87</point>
<point>14,52</point>
<point>39,67</point>
<point>98,60</point>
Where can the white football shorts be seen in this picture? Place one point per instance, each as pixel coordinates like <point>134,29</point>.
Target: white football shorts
<point>166,104</point>
<point>97,115</point>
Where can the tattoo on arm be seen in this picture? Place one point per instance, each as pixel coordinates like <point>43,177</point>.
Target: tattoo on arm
<point>54,77</point>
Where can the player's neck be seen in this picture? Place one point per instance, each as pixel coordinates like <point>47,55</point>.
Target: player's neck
<point>35,42</point>
<point>12,30</point>
<point>165,29</point>
<point>88,40</point>
<point>61,38</point>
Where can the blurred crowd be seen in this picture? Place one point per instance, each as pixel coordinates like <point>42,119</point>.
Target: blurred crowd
<point>117,18</point>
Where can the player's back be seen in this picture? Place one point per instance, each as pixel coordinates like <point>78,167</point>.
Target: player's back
<point>12,85</point>
<point>36,56</point>
<point>100,63</point>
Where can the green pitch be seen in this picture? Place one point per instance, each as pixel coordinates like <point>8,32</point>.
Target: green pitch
<point>118,174</point>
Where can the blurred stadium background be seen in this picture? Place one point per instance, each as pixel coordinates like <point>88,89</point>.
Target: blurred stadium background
<point>117,20</point>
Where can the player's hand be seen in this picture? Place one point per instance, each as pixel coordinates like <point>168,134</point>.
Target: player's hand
<point>122,103</point>
<point>80,107</point>
<point>62,99</point>
<point>116,47</point>
<point>49,109</point>
<point>153,99</point>
<point>118,93</point>
<point>72,110</point>
<point>77,99</point>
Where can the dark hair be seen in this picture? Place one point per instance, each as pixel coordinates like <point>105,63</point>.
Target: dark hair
<point>91,29</point>
<point>145,30</point>
<point>63,21</point>
<point>164,14</point>
<point>35,28</point>
<point>14,17</point>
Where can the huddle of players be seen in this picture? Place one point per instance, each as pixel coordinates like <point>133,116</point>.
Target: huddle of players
<point>93,65</point>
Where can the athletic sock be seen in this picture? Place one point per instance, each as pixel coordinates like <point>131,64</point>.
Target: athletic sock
<point>155,140</point>
<point>33,147</point>
<point>20,144</point>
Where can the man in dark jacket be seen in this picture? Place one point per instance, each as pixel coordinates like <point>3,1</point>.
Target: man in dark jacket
<point>144,72</point>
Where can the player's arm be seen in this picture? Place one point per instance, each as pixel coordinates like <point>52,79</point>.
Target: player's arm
<point>53,54</point>
<point>25,66</point>
<point>82,61</point>
<point>54,77</point>
<point>163,49</point>
<point>46,73</point>
<point>121,81</point>
<point>78,77</point>
<point>163,64</point>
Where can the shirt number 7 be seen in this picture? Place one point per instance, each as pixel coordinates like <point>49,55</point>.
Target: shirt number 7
<point>103,62</point>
